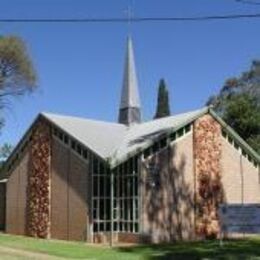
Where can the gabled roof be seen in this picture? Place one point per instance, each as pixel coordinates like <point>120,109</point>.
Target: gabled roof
<point>101,137</point>
<point>140,136</point>
<point>114,142</point>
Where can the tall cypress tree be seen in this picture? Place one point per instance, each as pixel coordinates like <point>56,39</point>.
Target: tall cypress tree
<point>163,107</point>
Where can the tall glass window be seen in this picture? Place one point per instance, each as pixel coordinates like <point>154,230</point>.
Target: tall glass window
<point>101,196</point>
<point>125,201</point>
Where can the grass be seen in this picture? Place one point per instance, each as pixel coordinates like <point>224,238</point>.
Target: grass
<point>67,250</point>
<point>232,249</point>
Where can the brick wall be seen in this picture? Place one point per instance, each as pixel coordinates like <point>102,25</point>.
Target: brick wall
<point>59,191</point>
<point>241,178</point>
<point>70,194</point>
<point>2,205</point>
<point>118,237</point>
<point>168,209</point>
<point>16,189</point>
<point>48,195</point>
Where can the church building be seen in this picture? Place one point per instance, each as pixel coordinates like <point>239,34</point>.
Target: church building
<point>162,180</point>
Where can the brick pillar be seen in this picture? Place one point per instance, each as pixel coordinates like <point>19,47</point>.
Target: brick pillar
<point>38,191</point>
<point>209,192</point>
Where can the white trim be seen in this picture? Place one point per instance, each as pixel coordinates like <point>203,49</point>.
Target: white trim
<point>181,138</point>
<point>239,149</point>
<point>86,160</point>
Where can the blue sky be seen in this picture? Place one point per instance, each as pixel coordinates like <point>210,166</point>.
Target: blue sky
<point>80,66</point>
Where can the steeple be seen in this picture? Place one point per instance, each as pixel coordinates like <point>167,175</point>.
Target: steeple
<point>129,112</point>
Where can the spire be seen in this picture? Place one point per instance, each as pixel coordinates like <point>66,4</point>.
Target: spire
<point>129,112</point>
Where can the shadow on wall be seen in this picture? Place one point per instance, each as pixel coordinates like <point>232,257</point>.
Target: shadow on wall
<point>168,200</point>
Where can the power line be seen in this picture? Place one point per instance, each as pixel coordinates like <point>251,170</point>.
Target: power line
<point>133,19</point>
<point>248,2</point>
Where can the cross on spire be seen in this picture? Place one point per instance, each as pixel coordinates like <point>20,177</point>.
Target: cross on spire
<point>130,14</point>
<point>129,17</point>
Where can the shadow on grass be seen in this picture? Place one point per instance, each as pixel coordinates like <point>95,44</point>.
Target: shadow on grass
<point>231,249</point>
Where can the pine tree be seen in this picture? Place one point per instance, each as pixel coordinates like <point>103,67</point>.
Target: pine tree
<point>163,107</point>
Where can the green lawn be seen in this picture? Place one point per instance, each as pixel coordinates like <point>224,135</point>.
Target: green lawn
<point>235,249</point>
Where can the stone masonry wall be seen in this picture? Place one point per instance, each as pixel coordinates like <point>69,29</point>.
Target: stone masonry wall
<point>38,192</point>
<point>209,191</point>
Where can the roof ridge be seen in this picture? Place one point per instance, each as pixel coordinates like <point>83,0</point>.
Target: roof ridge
<point>46,114</point>
<point>155,128</point>
<point>203,109</point>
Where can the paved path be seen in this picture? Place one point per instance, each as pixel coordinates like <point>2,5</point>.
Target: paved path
<point>13,254</point>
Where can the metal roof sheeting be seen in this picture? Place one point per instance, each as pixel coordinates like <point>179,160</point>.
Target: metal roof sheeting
<point>101,137</point>
<point>139,136</point>
<point>114,142</point>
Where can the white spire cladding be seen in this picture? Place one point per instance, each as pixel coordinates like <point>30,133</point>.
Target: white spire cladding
<point>129,112</point>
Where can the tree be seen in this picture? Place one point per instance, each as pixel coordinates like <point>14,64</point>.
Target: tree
<point>163,107</point>
<point>17,74</point>
<point>238,102</point>
<point>5,151</point>
<point>243,115</point>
